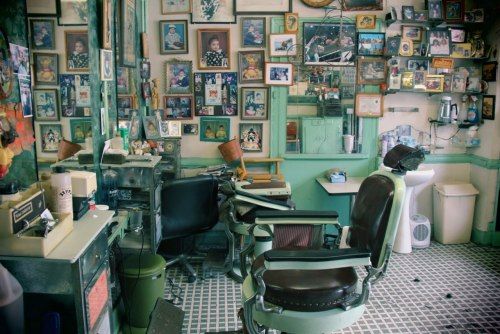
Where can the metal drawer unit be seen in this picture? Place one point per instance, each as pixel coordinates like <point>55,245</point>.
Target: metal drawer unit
<point>170,164</point>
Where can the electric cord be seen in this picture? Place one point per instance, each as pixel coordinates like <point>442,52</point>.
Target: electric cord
<point>176,291</point>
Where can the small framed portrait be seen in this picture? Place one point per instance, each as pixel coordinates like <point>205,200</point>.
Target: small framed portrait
<point>371,71</point>
<point>46,105</point>
<point>146,90</point>
<point>448,79</point>
<point>145,70</point>
<point>407,80</point>
<point>124,102</point>
<point>218,11</point>
<point>412,32</point>
<point>251,66</point>
<point>490,71</point>
<point>324,44</point>
<point>42,34</point>
<point>434,83</point>
<point>81,128</point>
<point>251,137</point>
<point>407,13</point>
<point>395,82</point>
<point>459,83</point>
<point>461,50</point>
<point>170,129</point>
<point>282,45</point>
<point>72,12</point>
<point>469,16</point>
<point>366,21</point>
<point>421,15</point>
<point>453,10</point>
<point>189,129</point>
<point>439,42</point>
<point>440,62</point>
<point>46,68</point>
<point>478,15</point>
<point>19,58</point>
<point>173,37</point>
<point>122,80</point>
<point>107,70</point>
<point>215,129</point>
<point>473,84</point>
<point>172,7</point>
<point>424,48</point>
<point>419,80</point>
<point>291,23</point>
<point>371,44</point>
<point>278,74</point>
<point>457,35</point>
<point>51,135</point>
<point>134,130</point>
<point>435,9</point>
<point>418,65</point>
<point>178,107</point>
<point>178,76</point>
<point>107,21</point>
<point>369,105</point>
<point>488,111</point>
<point>77,50</point>
<point>214,47</point>
<point>151,127</point>
<point>393,43</point>
<point>254,103</point>
<point>406,47</point>
<point>253,32</point>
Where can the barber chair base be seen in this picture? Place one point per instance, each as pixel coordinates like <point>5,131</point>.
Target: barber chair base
<point>129,329</point>
<point>188,268</point>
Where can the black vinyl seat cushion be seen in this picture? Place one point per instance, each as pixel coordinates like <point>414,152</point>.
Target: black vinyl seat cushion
<point>307,290</point>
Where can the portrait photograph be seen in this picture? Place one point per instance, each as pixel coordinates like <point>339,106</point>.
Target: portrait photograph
<point>19,56</point>
<point>279,74</point>
<point>215,129</point>
<point>406,47</point>
<point>395,82</point>
<point>77,50</point>
<point>82,89</point>
<point>448,79</point>
<point>420,15</point>
<point>213,11</point>
<point>81,129</point>
<point>457,35</point>
<point>369,105</point>
<point>282,45</point>
<point>178,77</point>
<point>214,49</point>
<point>25,94</point>
<point>151,127</point>
<point>253,32</point>
<point>251,66</point>
<point>146,90</point>
<point>323,43</point>
<point>439,42</point>
<point>360,5</point>
<point>366,21</point>
<point>51,135</point>
<point>454,10</point>
<point>45,105</point>
<point>461,50</point>
<point>107,70</point>
<point>488,111</point>
<point>46,68</point>
<point>434,83</point>
<point>371,44</point>
<point>72,12</point>
<point>371,71</point>
<point>178,107</point>
<point>254,103</point>
<point>407,80</point>
<point>251,137</point>
<point>407,13</point>
<point>393,44</point>
<point>42,34</point>
<point>173,37</point>
<point>128,33</point>
<point>172,7</point>
<point>412,32</point>
<point>216,94</point>
<point>490,71</point>
<point>435,8</point>
<point>134,129</point>
<point>291,23</point>
<point>190,129</point>
<point>418,65</point>
<point>145,69</point>
<point>459,83</point>
<point>124,102</point>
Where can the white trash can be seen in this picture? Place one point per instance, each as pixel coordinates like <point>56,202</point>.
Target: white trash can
<point>453,212</point>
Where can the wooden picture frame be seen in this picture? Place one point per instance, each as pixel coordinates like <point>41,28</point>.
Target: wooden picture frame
<point>371,44</point>
<point>282,45</point>
<point>278,74</point>
<point>434,83</point>
<point>46,68</point>
<point>107,22</point>
<point>51,136</point>
<point>369,105</point>
<point>251,137</point>
<point>42,34</point>
<point>435,38</point>
<point>262,7</point>
<point>251,66</point>
<point>412,32</point>
<point>45,105</point>
<point>253,32</point>
<point>174,37</point>
<point>365,21</point>
<point>128,33</point>
<point>454,11</point>
<point>488,110</point>
<point>214,49</point>
<point>178,107</point>
<point>441,62</point>
<point>215,129</point>
<point>254,103</point>
<point>178,76</point>
<point>291,23</point>
<point>72,12</point>
<point>77,50</point>
<point>490,71</point>
<point>371,71</point>
<point>216,94</point>
<point>107,70</point>
<point>435,8</point>
<point>317,51</point>
<point>173,7</point>
<point>214,11</point>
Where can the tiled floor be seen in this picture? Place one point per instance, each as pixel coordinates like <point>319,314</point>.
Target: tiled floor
<point>441,289</point>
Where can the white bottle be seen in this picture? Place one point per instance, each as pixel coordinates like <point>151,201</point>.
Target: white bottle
<point>62,199</point>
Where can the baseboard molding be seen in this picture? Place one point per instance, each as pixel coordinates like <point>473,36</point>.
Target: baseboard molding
<point>486,238</point>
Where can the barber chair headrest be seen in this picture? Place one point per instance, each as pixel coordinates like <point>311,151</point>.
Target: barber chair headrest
<point>403,158</point>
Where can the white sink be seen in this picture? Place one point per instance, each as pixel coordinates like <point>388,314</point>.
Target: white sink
<point>419,176</point>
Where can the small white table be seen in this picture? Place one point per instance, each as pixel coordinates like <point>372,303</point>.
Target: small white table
<point>350,187</point>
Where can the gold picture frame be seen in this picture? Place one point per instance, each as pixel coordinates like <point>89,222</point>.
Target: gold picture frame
<point>434,83</point>
<point>291,23</point>
<point>210,39</point>
<point>369,105</point>
<point>364,21</point>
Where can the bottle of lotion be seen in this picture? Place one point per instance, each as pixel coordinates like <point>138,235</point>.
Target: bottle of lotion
<point>62,199</point>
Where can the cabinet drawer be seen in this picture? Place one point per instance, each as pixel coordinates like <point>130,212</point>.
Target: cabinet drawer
<point>95,254</point>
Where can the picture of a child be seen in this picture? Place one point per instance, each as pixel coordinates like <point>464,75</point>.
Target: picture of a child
<point>252,37</point>
<point>215,56</point>
<point>79,58</point>
<point>221,133</point>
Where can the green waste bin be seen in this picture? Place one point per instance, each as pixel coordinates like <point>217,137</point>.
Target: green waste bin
<point>143,282</point>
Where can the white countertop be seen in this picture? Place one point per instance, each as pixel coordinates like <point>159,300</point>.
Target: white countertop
<point>350,187</point>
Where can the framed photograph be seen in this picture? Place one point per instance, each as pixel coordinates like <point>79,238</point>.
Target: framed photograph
<point>77,48</point>
<point>419,80</point>
<point>107,70</point>
<point>190,129</point>
<point>107,22</point>
<point>418,65</point>
<point>457,35</point>
<point>174,129</point>
<point>25,95</point>
<point>421,15</point>
<point>278,74</point>
<point>146,90</point>
<point>216,94</point>
<point>213,11</point>
<point>72,12</point>
<point>461,50</point>
<point>371,44</point>
<point>134,130</point>
<point>42,34</point>
<point>434,83</point>
<point>371,71</point>
<point>81,128</point>
<point>473,84</point>
<point>454,10</point>
<point>360,5</point>
<point>412,32</point>
<point>253,32</point>
<point>424,47</point>
<point>163,129</point>
<point>254,103</point>
<point>124,102</point>
<point>366,21</point>
<point>256,7</point>
<point>406,47</point>
<point>459,83</point>
<point>323,44</point>
<point>439,42</point>
<point>448,79</point>
<point>291,23</point>
<point>347,92</point>
<point>393,44</point>
<point>51,134</point>
<point>214,49</point>
<point>151,127</point>
<point>282,45</point>
<point>407,80</point>
<point>172,7</point>
<point>145,69</point>
<point>122,80</point>
<point>440,62</point>
<point>478,15</point>
<point>251,137</point>
<point>468,16</point>
<point>128,33</point>
<point>488,111</point>
<point>75,95</point>
<point>395,82</point>
<point>178,76</point>
<point>178,107</point>
<point>407,13</point>
<point>174,37</point>
<point>435,9</point>
<point>215,129</point>
<point>45,105</point>
<point>41,7</point>
<point>490,71</point>
<point>46,68</point>
<point>369,105</point>
<point>251,66</point>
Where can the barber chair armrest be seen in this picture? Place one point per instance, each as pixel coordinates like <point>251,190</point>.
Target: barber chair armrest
<point>262,201</point>
<point>296,217</point>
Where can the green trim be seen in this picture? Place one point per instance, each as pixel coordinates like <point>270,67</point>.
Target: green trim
<point>484,162</point>
<point>189,163</point>
<point>341,156</point>
<point>459,159</point>
<point>481,237</point>
<point>495,239</point>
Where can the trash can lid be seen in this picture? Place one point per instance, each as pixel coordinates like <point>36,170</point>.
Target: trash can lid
<point>456,189</point>
<point>145,265</point>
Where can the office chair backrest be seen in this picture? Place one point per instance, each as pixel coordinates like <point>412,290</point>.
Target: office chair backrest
<point>189,206</point>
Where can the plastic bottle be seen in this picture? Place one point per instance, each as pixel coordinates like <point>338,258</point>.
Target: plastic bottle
<point>62,198</point>
<point>110,182</point>
<point>472,112</point>
<point>11,303</point>
<point>124,135</point>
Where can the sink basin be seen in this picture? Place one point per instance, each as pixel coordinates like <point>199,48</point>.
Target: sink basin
<point>419,176</point>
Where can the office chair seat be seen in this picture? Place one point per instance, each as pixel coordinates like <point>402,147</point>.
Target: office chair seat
<point>307,291</point>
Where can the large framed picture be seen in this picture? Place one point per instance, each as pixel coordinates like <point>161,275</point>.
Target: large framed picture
<point>107,21</point>
<point>75,95</point>
<point>325,43</point>
<point>253,32</point>
<point>46,68</point>
<point>282,45</point>
<point>254,103</point>
<point>172,7</point>
<point>107,70</point>
<point>251,66</point>
<point>371,44</point>
<point>128,33</point>
<point>369,105</point>
<point>262,7</point>
<point>42,34</point>
<point>361,5</point>
<point>213,11</point>
<point>371,71</point>
<point>214,49</point>
<point>174,37</point>
<point>151,127</point>
<point>278,74</point>
<point>77,50</point>
<point>251,137</point>
<point>178,107</point>
<point>216,94</point>
<point>46,105</point>
<point>81,128</point>
<point>51,134</point>
<point>215,129</point>
<point>122,80</point>
<point>488,111</point>
<point>72,12</point>
<point>178,76</point>
<point>439,42</point>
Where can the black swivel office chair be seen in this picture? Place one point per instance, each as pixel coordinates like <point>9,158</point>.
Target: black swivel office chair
<point>188,206</point>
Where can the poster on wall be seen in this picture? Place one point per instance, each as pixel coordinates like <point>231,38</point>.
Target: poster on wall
<point>20,59</point>
<point>128,33</point>
<point>75,95</point>
<point>25,90</point>
<point>216,94</point>
<point>213,11</point>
